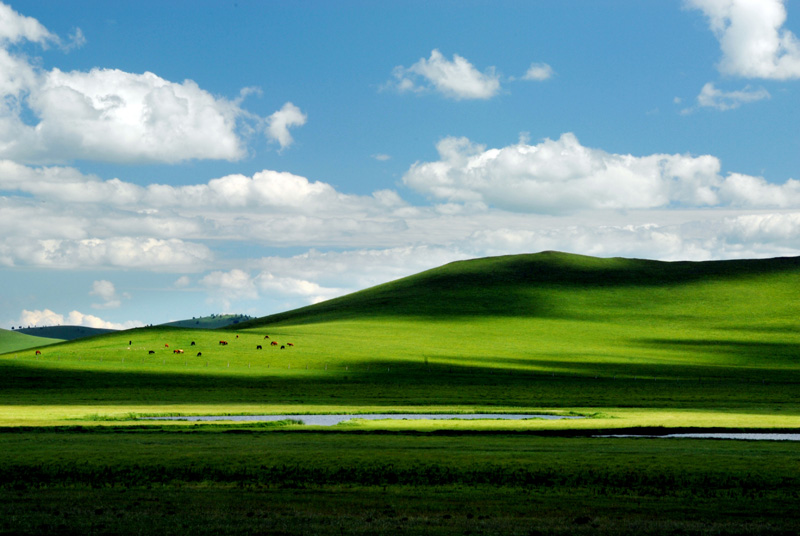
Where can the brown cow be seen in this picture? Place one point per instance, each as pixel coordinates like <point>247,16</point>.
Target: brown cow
<point>223,343</point>
<point>177,351</point>
<point>266,336</point>
<point>289,344</point>
<point>38,352</point>
<point>273,343</point>
<point>166,346</point>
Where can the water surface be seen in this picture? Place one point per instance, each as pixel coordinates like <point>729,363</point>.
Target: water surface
<point>752,436</point>
<point>330,420</point>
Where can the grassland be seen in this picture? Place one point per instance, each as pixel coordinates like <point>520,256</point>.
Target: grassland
<point>630,344</point>
<point>13,341</point>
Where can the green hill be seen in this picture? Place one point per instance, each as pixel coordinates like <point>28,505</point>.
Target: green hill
<point>11,341</point>
<point>547,330</point>
<point>553,284</point>
<point>209,322</point>
<point>65,333</point>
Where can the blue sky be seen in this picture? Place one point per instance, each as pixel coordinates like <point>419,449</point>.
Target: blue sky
<point>163,160</point>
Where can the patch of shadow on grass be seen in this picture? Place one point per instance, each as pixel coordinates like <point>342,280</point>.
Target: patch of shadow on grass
<point>754,353</point>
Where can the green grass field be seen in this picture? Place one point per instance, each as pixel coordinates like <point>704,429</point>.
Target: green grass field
<point>629,344</point>
<point>12,341</point>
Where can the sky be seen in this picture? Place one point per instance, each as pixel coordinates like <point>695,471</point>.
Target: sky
<point>166,160</point>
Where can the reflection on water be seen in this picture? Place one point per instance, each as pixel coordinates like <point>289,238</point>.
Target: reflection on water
<point>330,420</point>
<point>722,435</point>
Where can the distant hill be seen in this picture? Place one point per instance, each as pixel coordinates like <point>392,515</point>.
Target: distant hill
<point>11,341</point>
<point>65,333</point>
<point>530,285</point>
<point>209,322</point>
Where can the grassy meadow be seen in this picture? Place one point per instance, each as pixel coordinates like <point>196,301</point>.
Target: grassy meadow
<point>630,345</point>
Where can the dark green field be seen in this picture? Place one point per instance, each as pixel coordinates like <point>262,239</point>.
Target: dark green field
<point>631,345</point>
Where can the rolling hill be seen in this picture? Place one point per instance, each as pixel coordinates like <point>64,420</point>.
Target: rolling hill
<point>209,322</point>
<point>11,341</point>
<point>65,333</point>
<point>547,330</point>
<point>552,284</point>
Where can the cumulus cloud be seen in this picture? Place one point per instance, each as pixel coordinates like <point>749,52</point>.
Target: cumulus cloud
<point>711,97</point>
<point>562,176</point>
<point>278,124</point>
<point>753,41</point>
<point>124,252</point>
<point>106,291</point>
<point>538,72</point>
<point>112,115</point>
<point>46,317</point>
<point>457,79</point>
<point>558,176</point>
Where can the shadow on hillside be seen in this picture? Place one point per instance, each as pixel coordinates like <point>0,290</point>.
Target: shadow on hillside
<point>500,382</point>
<point>520,285</point>
<point>743,353</point>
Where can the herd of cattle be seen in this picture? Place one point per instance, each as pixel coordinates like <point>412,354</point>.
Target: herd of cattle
<point>225,343</point>
<point>199,354</point>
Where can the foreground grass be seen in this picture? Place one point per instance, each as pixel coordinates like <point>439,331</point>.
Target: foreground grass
<point>228,481</point>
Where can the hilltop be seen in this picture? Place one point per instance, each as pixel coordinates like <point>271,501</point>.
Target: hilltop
<point>11,341</point>
<point>64,333</point>
<point>209,322</point>
<point>529,285</point>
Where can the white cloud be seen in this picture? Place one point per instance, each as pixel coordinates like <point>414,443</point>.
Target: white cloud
<point>711,97</point>
<point>561,176</point>
<point>15,28</point>
<point>105,291</point>
<point>538,72</point>
<point>278,124</point>
<point>753,41</point>
<point>47,317</point>
<point>112,115</point>
<point>456,79</point>
<point>125,252</point>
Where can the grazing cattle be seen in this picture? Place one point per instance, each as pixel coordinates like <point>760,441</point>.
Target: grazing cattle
<point>151,352</point>
<point>266,336</point>
<point>273,343</point>
<point>258,347</point>
<point>177,351</point>
<point>199,354</point>
<point>237,336</point>
<point>283,347</point>
<point>166,346</point>
<point>192,343</point>
<point>129,343</point>
<point>289,344</point>
<point>38,352</point>
<point>223,343</point>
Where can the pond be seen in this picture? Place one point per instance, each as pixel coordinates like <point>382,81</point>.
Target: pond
<point>330,420</point>
<point>753,436</point>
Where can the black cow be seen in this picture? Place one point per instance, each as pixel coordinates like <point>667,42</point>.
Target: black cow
<point>151,352</point>
<point>258,347</point>
<point>192,344</point>
<point>199,354</point>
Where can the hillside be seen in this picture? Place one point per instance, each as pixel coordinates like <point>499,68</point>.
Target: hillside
<point>11,341</point>
<point>547,330</point>
<point>533,285</point>
<point>64,333</point>
<point>209,322</point>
